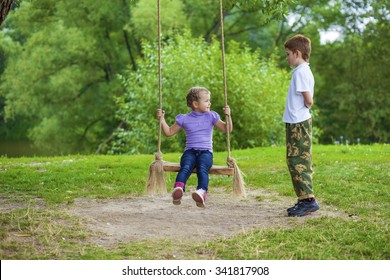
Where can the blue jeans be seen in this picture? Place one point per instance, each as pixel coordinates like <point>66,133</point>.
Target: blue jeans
<point>202,161</point>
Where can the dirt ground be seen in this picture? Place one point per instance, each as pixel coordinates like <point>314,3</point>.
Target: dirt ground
<point>156,218</point>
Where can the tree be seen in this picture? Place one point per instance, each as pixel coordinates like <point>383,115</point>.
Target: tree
<point>352,96</point>
<point>64,77</point>
<point>5,6</point>
<point>144,18</point>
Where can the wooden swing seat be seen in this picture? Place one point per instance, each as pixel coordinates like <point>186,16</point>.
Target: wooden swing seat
<point>215,169</point>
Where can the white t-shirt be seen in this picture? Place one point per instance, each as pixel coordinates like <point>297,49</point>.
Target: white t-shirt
<point>302,81</point>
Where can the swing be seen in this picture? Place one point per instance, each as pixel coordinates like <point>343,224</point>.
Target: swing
<point>215,169</point>
<point>156,181</point>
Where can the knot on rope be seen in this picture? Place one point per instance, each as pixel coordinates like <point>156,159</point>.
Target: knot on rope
<point>231,162</point>
<point>158,156</point>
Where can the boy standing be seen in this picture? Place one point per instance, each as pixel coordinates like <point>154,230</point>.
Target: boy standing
<point>299,125</point>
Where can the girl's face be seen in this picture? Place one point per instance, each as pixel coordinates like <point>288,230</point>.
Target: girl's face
<point>292,58</point>
<point>203,104</point>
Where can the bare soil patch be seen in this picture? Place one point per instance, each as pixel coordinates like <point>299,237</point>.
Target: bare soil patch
<point>156,218</point>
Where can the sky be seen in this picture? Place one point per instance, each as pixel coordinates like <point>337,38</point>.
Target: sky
<point>329,36</point>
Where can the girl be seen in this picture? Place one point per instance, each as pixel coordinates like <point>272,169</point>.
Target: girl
<point>198,153</point>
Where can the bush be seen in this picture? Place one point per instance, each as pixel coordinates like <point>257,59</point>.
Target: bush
<point>256,94</point>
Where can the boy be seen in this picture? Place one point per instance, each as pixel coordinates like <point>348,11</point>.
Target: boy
<point>299,125</point>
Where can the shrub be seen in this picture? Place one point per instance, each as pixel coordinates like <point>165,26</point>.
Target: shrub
<point>256,91</point>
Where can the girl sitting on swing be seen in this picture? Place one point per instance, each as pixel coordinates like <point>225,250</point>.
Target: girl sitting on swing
<point>198,153</point>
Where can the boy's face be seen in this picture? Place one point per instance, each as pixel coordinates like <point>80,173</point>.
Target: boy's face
<point>293,58</point>
<point>203,104</point>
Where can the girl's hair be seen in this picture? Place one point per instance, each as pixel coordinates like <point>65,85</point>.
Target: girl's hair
<point>194,94</point>
<point>299,43</point>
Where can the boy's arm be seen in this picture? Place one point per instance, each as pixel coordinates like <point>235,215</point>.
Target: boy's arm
<point>221,125</point>
<point>307,99</point>
<point>168,131</point>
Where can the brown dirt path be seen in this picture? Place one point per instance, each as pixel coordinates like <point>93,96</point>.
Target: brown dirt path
<point>156,218</point>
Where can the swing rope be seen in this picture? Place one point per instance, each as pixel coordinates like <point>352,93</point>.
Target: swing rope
<point>224,78</point>
<point>238,180</point>
<point>156,182</point>
<point>159,154</point>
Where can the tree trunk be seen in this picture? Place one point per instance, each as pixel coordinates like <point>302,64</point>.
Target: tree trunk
<point>5,6</point>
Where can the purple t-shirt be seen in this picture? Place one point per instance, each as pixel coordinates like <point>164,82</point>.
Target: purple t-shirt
<point>199,129</point>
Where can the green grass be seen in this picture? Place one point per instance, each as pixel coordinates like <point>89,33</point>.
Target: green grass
<point>352,179</point>
<point>318,239</point>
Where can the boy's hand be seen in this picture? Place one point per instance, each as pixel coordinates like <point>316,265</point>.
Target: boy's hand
<point>160,114</point>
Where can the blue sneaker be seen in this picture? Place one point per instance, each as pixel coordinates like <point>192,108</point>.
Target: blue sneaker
<point>293,208</point>
<point>303,207</point>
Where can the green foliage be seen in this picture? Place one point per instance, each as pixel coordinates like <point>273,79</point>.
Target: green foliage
<point>256,94</point>
<point>12,129</point>
<point>144,18</point>
<point>353,94</point>
<point>62,78</point>
<point>202,16</point>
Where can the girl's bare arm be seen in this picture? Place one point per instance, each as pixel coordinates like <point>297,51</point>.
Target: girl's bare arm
<point>168,130</point>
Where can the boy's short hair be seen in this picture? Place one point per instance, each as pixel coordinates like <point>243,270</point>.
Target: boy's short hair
<point>299,43</point>
<point>194,94</point>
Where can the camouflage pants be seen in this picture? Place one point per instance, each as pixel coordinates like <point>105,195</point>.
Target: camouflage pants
<point>299,160</point>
